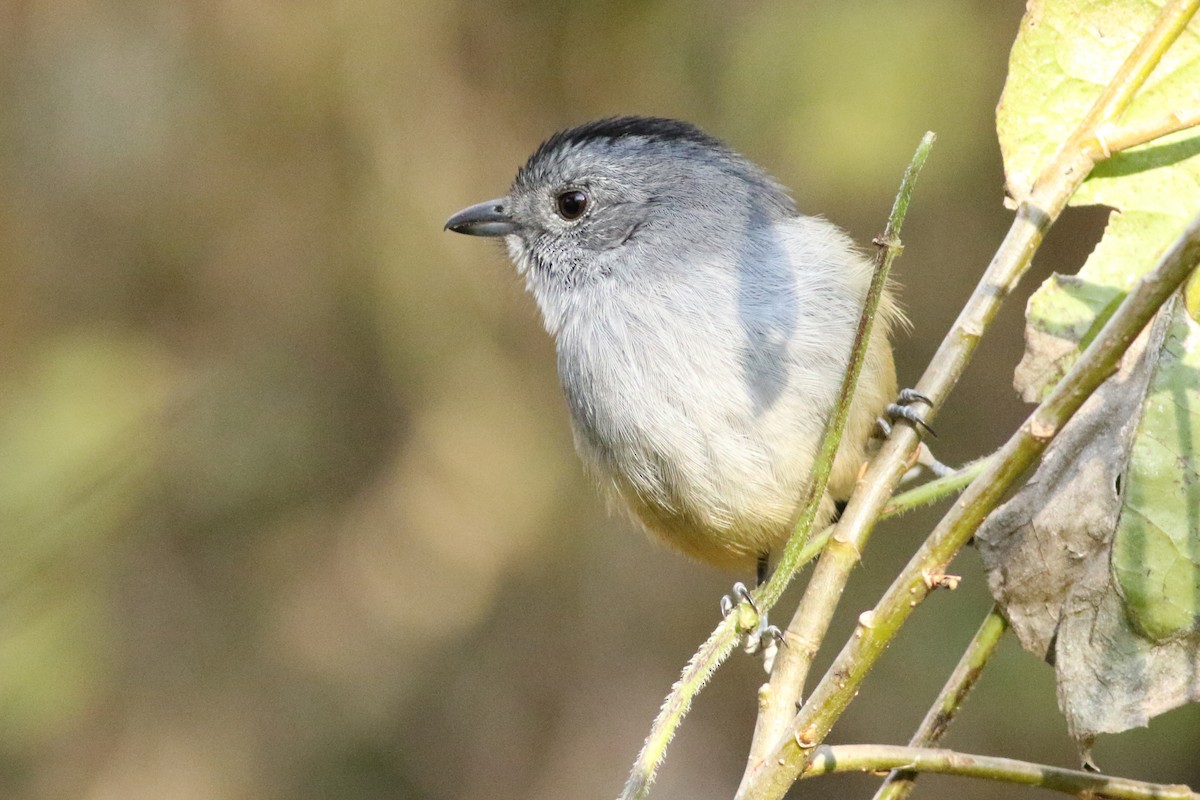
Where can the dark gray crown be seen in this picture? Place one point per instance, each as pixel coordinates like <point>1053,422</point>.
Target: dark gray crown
<point>613,129</point>
<point>683,135</point>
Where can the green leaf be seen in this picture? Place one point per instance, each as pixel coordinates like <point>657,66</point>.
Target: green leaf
<point>1156,552</point>
<point>1065,54</point>
<point>1066,311</point>
<point>1049,555</point>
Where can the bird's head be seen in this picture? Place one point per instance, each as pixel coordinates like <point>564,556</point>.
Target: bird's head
<point>617,197</point>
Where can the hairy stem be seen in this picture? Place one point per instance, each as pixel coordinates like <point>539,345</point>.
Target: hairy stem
<point>929,493</point>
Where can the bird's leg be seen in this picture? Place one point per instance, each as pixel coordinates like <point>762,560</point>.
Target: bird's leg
<point>925,459</point>
<point>763,638</point>
<point>903,409</point>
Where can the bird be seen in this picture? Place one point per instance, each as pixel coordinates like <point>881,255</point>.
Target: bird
<point>702,326</point>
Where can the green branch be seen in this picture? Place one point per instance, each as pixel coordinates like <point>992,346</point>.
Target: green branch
<point>900,782</point>
<point>932,491</point>
<point>869,758</point>
<point>1113,138</point>
<point>792,662</point>
<point>889,247</point>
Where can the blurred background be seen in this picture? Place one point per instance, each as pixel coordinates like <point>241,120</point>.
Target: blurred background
<point>288,501</point>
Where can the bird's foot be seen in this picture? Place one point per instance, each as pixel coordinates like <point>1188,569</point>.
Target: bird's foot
<point>923,457</point>
<point>765,640</point>
<point>903,409</point>
<point>757,634</point>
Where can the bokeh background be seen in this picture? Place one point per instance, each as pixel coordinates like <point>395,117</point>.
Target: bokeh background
<point>288,502</point>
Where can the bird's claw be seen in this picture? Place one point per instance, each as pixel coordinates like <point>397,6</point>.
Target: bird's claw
<point>738,594</point>
<point>765,640</point>
<point>908,396</point>
<point>902,409</point>
<point>766,636</point>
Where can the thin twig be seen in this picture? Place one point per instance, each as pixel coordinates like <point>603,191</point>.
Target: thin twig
<point>889,248</point>
<point>1114,138</point>
<point>1037,210</point>
<point>899,784</point>
<point>828,760</point>
<point>878,626</point>
<point>932,491</point>
<point>797,552</point>
<point>772,713</point>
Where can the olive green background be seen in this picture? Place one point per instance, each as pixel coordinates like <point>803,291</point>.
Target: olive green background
<point>288,503</point>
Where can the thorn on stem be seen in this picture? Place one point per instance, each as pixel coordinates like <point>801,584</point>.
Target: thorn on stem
<point>805,740</point>
<point>1042,430</point>
<point>940,580</point>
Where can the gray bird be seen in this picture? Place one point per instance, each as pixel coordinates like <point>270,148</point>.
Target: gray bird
<point>702,327</point>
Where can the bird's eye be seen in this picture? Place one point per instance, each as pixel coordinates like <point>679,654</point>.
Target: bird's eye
<point>571,204</point>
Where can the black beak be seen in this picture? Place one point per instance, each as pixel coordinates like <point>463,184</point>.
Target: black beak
<point>483,219</point>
